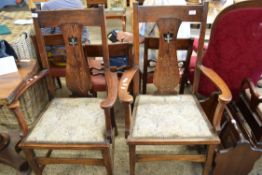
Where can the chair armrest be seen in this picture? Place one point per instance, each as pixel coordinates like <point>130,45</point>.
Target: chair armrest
<point>30,82</point>
<point>124,83</point>
<point>112,81</point>
<point>225,95</point>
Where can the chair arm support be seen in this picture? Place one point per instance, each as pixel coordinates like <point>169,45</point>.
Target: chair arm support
<point>123,86</point>
<point>112,81</point>
<point>225,95</point>
<point>30,82</point>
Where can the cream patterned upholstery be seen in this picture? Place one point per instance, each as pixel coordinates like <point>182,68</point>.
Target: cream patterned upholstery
<point>169,117</point>
<point>70,120</point>
<point>259,91</point>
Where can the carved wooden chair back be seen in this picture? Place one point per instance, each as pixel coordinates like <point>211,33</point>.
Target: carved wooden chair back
<point>166,78</point>
<point>77,72</point>
<point>153,44</point>
<point>91,51</point>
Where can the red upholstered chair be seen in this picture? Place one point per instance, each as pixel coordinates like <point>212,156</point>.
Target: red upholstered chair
<point>233,50</point>
<point>234,53</point>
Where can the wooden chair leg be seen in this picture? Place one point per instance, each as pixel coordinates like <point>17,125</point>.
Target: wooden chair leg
<point>107,161</point>
<point>144,83</point>
<point>132,159</point>
<point>29,154</point>
<point>210,155</point>
<point>112,113</point>
<point>59,82</point>
<point>128,115</point>
<point>94,93</point>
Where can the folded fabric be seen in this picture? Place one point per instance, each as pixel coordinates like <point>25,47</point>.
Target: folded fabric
<point>4,30</point>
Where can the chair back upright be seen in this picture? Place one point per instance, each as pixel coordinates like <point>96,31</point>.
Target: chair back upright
<point>166,76</point>
<point>234,47</point>
<point>78,78</point>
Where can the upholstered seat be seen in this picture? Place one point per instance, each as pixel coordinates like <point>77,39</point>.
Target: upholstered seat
<point>169,117</point>
<point>59,122</point>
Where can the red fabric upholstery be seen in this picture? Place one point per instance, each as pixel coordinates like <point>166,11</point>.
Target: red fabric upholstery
<point>98,83</point>
<point>195,45</point>
<point>234,49</point>
<point>191,69</point>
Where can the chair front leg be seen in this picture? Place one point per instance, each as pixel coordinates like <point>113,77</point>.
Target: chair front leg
<point>128,115</point>
<point>107,161</point>
<point>112,113</point>
<point>132,159</point>
<point>209,159</point>
<point>29,154</point>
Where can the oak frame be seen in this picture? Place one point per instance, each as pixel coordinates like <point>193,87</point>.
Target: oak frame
<point>141,14</point>
<point>68,17</point>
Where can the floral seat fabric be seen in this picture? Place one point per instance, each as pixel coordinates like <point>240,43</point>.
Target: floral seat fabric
<point>69,120</point>
<point>169,117</point>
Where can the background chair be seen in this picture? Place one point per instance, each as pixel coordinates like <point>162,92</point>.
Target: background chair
<point>165,119</point>
<point>31,3</point>
<point>70,123</point>
<point>110,14</point>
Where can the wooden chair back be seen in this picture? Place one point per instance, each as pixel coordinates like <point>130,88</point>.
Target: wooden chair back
<point>77,72</point>
<point>151,43</point>
<point>166,76</point>
<point>90,51</point>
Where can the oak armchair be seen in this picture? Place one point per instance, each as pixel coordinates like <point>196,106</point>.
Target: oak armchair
<point>165,118</point>
<point>70,123</point>
<point>233,53</point>
<point>238,45</point>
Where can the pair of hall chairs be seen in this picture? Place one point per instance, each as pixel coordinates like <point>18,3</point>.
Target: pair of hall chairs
<point>159,119</point>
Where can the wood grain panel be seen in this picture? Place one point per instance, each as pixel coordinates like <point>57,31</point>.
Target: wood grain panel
<point>166,76</point>
<point>78,78</point>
